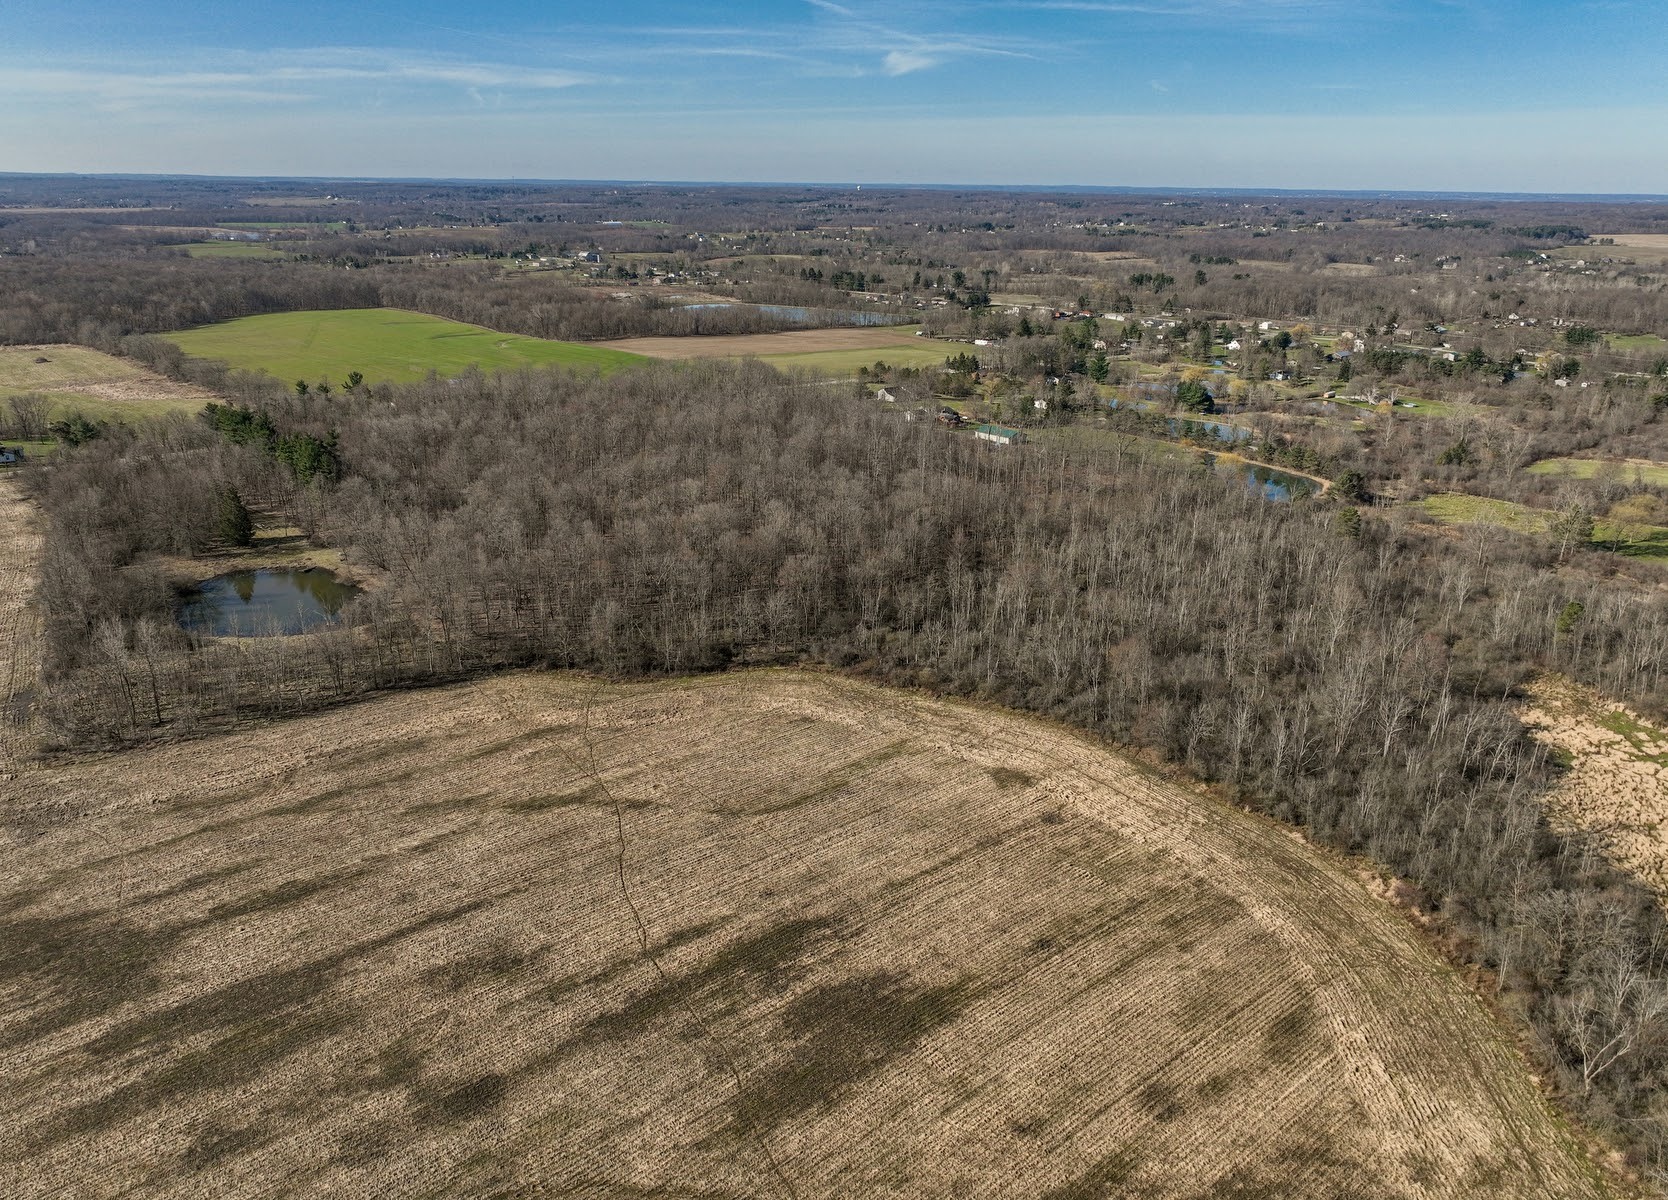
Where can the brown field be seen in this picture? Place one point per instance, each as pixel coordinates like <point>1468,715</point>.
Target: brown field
<point>793,341</point>
<point>1646,247</point>
<point>765,933</point>
<point>1617,783</point>
<point>97,385</point>
<point>20,548</point>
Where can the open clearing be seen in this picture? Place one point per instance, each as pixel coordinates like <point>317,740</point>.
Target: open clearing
<point>1624,469</point>
<point>834,351</point>
<point>232,250</point>
<point>383,344</point>
<point>758,934</point>
<point>1630,538</point>
<point>97,385</point>
<point>1617,782</point>
<point>1642,247</point>
<point>1641,241</point>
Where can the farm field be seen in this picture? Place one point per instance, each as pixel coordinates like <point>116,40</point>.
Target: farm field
<point>100,386</point>
<point>762,933</point>
<point>1634,241</point>
<point>384,344</point>
<point>839,351</point>
<point>232,250</point>
<point>303,226</point>
<point>20,650</point>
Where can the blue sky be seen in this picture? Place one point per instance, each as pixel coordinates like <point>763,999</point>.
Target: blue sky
<point>1452,94</point>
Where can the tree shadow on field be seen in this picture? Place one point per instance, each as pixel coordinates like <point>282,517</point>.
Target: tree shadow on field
<point>841,1034</point>
<point>243,1028</point>
<point>75,968</point>
<point>768,961</point>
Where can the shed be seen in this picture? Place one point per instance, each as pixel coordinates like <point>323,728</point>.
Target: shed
<point>1000,434</point>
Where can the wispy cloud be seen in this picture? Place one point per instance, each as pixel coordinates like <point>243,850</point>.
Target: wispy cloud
<point>902,62</point>
<point>855,31</point>
<point>284,76</point>
<point>1285,14</point>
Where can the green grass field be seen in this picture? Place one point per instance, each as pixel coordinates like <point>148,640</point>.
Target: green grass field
<point>1635,341</point>
<point>1455,508</point>
<point>383,344</point>
<point>231,250</point>
<point>1655,474</point>
<point>1631,540</point>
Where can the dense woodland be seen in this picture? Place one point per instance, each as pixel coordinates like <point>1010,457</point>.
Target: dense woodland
<point>1337,664</point>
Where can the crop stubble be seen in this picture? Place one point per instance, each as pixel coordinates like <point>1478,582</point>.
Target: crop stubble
<point>20,549</point>
<point>764,933</point>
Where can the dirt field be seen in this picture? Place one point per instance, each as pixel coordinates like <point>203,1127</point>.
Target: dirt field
<point>20,546</point>
<point>794,341</point>
<point>98,385</point>
<point>760,934</point>
<point>1617,783</point>
<point>1646,247</point>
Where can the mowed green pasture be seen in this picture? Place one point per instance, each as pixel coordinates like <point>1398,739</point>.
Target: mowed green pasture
<point>1652,473</point>
<point>231,250</point>
<point>1634,342</point>
<point>383,344</point>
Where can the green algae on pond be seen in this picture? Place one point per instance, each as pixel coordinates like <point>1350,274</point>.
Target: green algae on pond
<point>269,602</point>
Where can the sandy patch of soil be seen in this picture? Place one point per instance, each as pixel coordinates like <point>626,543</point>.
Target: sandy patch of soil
<point>1617,782</point>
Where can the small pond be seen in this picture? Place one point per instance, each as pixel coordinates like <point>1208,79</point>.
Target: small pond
<point>265,603</point>
<point>1277,485</point>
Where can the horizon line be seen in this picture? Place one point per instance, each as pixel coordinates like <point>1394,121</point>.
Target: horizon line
<point>1108,189</point>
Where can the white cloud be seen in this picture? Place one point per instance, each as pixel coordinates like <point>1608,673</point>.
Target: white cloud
<point>902,62</point>
<point>281,76</point>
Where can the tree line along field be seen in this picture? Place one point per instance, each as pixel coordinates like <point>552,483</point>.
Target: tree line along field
<point>767,933</point>
<point>384,345</point>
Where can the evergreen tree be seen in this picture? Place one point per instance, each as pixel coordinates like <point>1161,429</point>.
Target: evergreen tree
<point>237,524</point>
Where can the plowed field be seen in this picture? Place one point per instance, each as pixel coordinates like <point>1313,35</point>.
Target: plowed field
<point>758,934</point>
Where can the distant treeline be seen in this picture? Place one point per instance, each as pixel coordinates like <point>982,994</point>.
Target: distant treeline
<point>99,303</point>
<point>1353,677</point>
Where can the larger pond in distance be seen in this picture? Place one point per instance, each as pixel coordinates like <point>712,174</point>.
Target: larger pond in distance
<point>266,603</point>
